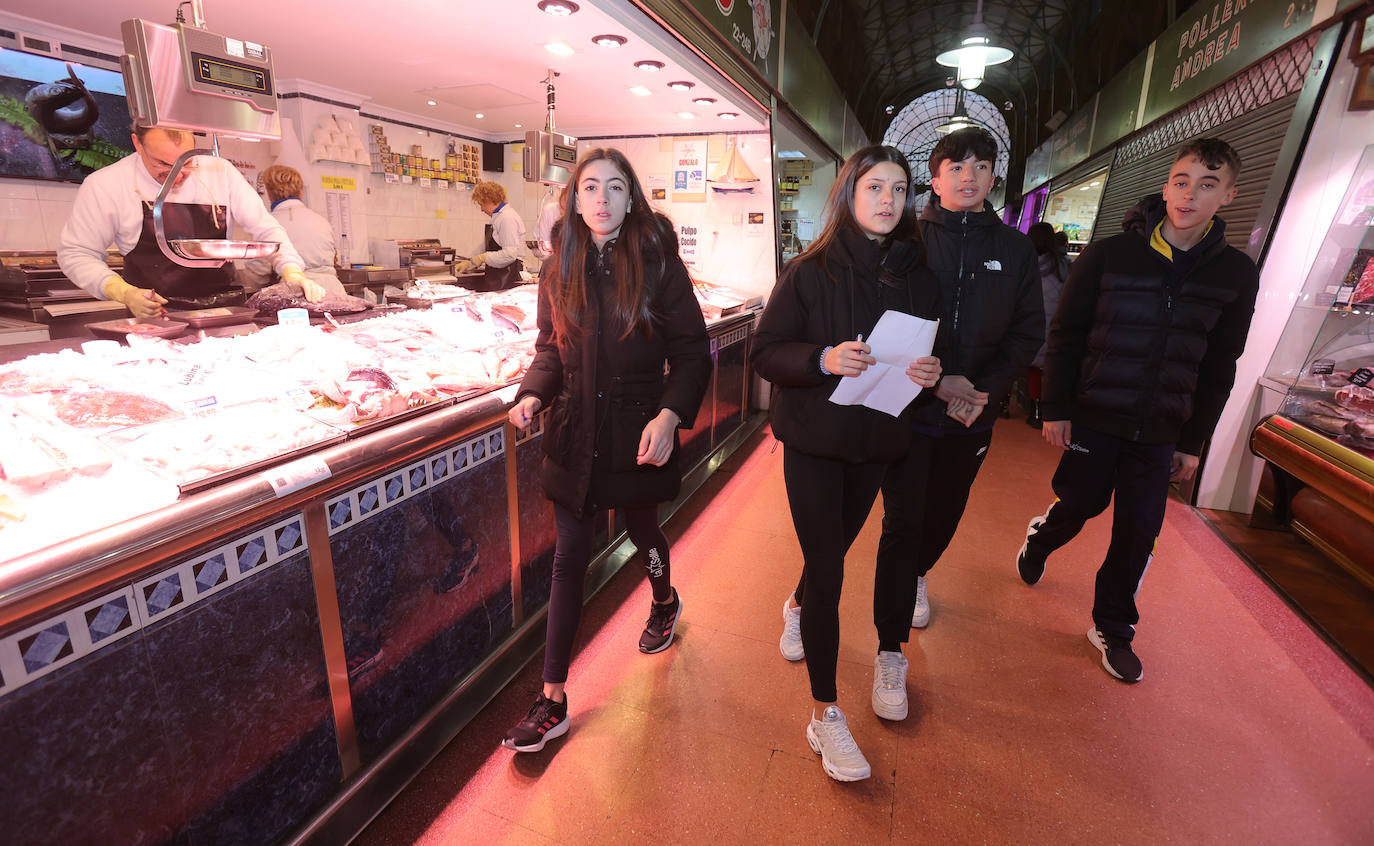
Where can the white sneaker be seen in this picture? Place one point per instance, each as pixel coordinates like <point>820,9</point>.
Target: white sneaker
<point>790,644</point>
<point>840,756</point>
<point>920,618</point>
<point>889,685</point>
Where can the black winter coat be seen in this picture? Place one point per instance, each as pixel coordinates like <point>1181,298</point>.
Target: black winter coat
<point>810,310</point>
<point>1142,351</point>
<point>994,316</point>
<point>601,390</point>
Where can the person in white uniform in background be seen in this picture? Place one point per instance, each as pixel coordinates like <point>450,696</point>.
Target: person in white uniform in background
<point>115,206</point>
<point>501,262</point>
<point>309,231</point>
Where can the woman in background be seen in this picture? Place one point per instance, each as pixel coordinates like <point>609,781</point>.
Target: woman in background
<point>615,305</point>
<point>1054,272</point>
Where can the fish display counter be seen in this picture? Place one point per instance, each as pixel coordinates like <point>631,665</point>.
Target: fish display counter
<point>294,561</point>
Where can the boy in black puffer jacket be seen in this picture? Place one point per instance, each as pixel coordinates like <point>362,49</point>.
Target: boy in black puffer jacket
<point>991,327</point>
<point>1142,356</point>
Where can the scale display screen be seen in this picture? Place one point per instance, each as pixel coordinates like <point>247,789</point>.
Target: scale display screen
<point>564,155</point>
<point>217,71</point>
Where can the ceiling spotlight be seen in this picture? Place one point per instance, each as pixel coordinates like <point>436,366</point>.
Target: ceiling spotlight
<point>560,8</point>
<point>431,103</point>
<point>480,115</point>
<point>640,90</point>
<point>518,125</point>
<point>609,40</point>
<point>682,85</point>
<point>558,48</point>
<point>727,115</point>
<point>704,101</point>
<point>686,115</point>
<point>650,65</point>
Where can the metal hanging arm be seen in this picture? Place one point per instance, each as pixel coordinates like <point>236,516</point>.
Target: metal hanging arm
<point>160,227</point>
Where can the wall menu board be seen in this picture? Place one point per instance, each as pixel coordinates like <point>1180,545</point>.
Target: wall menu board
<point>59,120</point>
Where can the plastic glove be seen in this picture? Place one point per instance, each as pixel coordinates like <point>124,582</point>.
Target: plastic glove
<point>479,260</point>
<point>141,302</point>
<point>462,266</point>
<point>313,291</point>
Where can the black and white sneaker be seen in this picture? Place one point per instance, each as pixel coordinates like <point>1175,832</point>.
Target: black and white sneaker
<point>544,721</point>
<point>658,631</point>
<point>1117,657</point>
<point>1030,563</point>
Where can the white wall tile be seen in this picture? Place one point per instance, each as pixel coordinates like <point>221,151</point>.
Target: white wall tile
<point>18,189</point>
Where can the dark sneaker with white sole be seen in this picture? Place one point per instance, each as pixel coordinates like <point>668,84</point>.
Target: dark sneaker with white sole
<point>1117,657</point>
<point>544,721</point>
<point>1030,563</point>
<point>658,631</point>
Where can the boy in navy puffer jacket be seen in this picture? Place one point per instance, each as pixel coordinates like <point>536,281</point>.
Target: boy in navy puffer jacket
<point>1141,359</point>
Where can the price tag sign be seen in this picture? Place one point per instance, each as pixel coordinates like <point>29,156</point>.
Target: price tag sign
<point>425,181</point>
<point>393,179</point>
<point>297,474</point>
<point>339,183</point>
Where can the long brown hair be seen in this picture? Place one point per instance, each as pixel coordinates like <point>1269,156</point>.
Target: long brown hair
<point>641,239</point>
<point>839,204</point>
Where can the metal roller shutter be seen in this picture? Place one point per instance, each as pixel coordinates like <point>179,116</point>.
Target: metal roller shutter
<point>1257,137</point>
<point>1251,112</point>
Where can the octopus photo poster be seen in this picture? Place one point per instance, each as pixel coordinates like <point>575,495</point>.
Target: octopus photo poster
<point>59,120</point>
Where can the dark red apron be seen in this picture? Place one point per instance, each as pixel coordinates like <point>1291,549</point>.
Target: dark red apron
<point>184,287</point>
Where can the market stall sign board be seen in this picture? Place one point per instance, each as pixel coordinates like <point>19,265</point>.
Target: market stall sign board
<point>750,27</point>
<point>339,183</point>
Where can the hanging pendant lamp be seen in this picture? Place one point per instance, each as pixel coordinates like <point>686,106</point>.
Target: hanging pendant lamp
<point>974,53</point>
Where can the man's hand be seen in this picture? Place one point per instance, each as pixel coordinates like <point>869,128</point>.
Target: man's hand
<point>957,387</point>
<point>312,290</point>
<point>656,441</point>
<point>1183,467</point>
<point>141,302</point>
<point>849,358</point>
<point>1057,433</point>
<point>924,371</point>
<point>523,411</point>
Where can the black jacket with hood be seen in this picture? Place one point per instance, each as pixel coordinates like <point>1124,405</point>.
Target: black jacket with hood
<point>1144,343</point>
<point>602,389</point>
<point>815,306</point>
<point>994,316</point>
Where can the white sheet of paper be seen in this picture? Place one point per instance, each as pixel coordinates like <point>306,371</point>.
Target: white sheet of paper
<point>896,341</point>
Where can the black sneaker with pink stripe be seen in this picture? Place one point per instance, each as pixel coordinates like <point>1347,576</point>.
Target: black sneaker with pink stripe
<point>658,631</point>
<point>545,720</point>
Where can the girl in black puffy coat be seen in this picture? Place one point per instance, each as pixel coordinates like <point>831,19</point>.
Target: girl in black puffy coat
<point>866,261</point>
<point>615,305</point>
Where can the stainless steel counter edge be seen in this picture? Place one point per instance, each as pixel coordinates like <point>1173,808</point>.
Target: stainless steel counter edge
<point>74,568</point>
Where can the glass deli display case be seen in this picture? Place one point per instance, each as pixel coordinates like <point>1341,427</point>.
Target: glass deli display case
<point>1319,447</point>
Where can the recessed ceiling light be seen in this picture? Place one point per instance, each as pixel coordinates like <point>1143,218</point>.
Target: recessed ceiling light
<point>519,125</point>
<point>650,65</point>
<point>791,154</point>
<point>682,85</point>
<point>480,115</point>
<point>704,101</point>
<point>558,48</point>
<point>561,8</point>
<point>728,115</point>
<point>686,115</point>
<point>640,90</point>
<point>609,40</point>
<point>431,102</point>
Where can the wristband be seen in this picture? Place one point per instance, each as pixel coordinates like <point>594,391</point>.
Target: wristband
<point>821,360</point>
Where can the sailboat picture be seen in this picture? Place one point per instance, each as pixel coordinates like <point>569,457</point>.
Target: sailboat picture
<point>732,175</point>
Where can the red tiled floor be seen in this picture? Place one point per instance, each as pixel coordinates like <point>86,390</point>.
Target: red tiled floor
<point>1245,729</point>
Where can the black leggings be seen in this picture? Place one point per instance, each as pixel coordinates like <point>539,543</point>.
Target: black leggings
<point>830,501</point>
<point>571,557</point>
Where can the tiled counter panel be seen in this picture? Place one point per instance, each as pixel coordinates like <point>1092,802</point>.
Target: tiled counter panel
<point>189,706</point>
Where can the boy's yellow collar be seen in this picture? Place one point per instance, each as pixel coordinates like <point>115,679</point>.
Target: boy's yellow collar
<point>1163,247</point>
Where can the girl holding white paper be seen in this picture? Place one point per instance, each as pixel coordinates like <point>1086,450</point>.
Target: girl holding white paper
<point>866,260</point>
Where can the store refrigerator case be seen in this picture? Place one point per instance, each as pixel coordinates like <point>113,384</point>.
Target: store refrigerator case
<point>1319,448</point>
